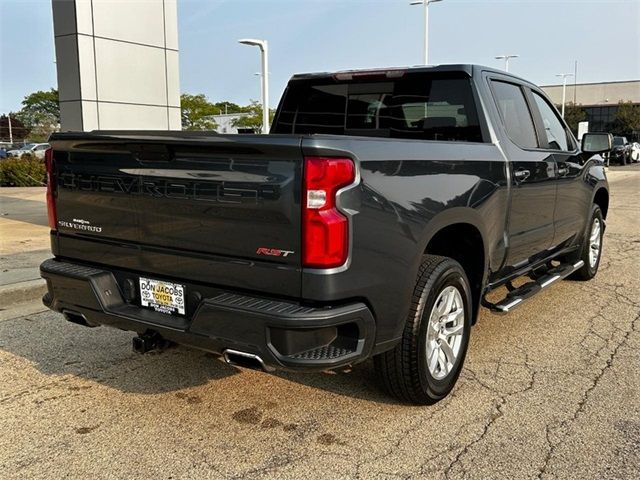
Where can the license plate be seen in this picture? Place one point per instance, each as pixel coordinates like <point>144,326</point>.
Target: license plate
<point>163,297</point>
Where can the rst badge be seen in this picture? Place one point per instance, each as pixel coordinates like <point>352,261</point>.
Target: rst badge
<point>274,252</point>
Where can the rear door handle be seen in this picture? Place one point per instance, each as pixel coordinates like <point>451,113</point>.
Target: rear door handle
<point>521,175</point>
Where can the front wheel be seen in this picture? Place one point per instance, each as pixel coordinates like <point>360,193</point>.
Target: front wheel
<point>591,251</point>
<point>424,367</point>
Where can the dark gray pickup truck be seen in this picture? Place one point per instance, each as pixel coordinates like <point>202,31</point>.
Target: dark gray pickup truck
<point>370,223</point>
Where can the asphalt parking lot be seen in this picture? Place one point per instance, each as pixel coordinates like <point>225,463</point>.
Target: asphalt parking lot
<point>551,390</point>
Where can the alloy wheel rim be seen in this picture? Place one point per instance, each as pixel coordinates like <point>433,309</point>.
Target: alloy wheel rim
<point>594,243</point>
<point>444,335</point>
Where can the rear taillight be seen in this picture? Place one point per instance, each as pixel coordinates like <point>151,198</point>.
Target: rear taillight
<point>325,230</point>
<point>51,189</point>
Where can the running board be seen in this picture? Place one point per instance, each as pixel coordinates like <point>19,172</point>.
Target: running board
<point>518,295</point>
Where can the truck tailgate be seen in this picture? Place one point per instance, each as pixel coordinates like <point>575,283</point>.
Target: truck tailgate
<point>217,209</point>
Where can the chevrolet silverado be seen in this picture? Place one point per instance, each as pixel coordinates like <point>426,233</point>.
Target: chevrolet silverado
<point>372,222</point>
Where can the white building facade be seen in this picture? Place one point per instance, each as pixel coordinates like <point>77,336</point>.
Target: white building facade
<point>225,122</point>
<point>117,64</point>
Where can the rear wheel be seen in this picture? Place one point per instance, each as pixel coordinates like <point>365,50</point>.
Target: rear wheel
<point>424,367</point>
<point>591,251</point>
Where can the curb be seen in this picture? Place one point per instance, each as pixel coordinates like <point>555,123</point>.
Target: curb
<point>22,292</point>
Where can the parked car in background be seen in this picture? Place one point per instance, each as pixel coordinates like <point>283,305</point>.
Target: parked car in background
<point>10,146</point>
<point>635,152</point>
<point>621,151</point>
<point>35,149</point>
<point>18,150</point>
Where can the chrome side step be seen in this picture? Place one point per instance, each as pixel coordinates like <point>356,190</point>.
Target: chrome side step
<point>518,295</point>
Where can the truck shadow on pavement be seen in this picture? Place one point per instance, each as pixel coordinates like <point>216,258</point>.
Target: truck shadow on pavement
<point>24,210</point>
<point>103,355</point>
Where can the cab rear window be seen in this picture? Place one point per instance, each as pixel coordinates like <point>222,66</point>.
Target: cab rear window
<point>416,106</point>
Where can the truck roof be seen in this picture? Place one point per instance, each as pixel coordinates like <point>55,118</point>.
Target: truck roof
<point>468,68</point>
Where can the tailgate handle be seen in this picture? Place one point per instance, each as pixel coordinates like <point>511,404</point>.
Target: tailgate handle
<point>146,152</point>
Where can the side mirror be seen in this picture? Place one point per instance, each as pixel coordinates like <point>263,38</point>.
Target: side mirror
<point>596,142</point>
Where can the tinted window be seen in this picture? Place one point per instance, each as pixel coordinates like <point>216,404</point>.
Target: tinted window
<point>417,105</point>
<point>515,114</point>
<point>555,133</point>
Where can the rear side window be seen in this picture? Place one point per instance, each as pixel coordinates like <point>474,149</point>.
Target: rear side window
<point>416,106</point>
<point>515,114</point>
<point>555,132</point>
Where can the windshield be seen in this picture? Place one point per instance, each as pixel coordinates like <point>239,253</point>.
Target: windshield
<point>28,146</point>
<point>416,105</point>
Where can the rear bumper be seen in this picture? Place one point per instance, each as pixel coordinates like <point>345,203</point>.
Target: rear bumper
<point>284,334</point>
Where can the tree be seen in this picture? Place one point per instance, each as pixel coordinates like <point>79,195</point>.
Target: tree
<point>42,103</point>
<point>40,113</point>
<point>196,111</point>
<point>627,120</point>
<point>573,115</point>
<point>253,117</point>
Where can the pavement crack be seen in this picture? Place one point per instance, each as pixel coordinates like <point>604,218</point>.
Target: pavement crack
<point>552,446</point>
<point>496,413</point>
<point>271,466</point>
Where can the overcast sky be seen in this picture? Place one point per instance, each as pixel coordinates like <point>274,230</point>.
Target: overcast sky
<point>320,35</point>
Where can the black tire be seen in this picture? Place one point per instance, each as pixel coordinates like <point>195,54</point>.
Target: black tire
<point>587,271</point>
<point>403,370</point>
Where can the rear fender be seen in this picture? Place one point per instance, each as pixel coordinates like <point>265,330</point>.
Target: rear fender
<point>453,216</point>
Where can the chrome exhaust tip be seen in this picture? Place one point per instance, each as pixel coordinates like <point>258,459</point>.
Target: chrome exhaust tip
<point>245,360</point>
<point>76,317</point>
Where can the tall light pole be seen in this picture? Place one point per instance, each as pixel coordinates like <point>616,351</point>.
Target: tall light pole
<point>10,129</point>
<point>506,60</point>
<point>426,4</point>
<point>258,74</point>
<point>264,50</point>
<point>564,87</point>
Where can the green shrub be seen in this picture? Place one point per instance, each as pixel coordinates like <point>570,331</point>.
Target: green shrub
<point>22,172</point>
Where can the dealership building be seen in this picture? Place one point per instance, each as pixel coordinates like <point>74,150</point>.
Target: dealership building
<point>117,64</point>
<point>599,100</point>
